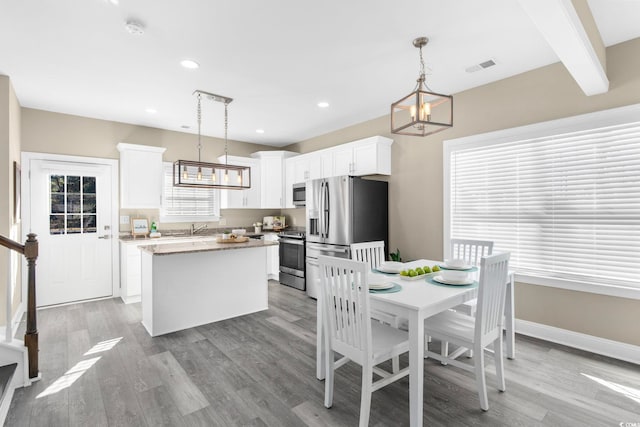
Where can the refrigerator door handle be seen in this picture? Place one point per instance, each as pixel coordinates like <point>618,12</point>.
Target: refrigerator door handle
<point>327,210</point>
<point>321,212</point>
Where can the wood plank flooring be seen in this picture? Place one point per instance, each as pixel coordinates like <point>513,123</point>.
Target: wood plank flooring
<point>101,368</point>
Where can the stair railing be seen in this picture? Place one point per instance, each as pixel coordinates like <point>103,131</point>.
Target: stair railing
<point>30,252</point>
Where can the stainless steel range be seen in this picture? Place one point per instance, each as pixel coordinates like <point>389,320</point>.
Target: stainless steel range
<point>292,258</point>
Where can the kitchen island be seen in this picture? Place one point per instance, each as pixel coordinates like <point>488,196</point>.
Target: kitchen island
<point>190,284</point>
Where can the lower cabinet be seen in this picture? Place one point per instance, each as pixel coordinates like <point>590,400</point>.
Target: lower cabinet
<point>130,263</point>
<point>130,276</point>
<point>273,257</point>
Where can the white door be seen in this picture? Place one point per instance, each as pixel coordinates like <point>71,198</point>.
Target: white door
<point>70,213</point>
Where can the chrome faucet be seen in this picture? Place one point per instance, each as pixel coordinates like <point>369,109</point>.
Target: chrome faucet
<point>197,228</point>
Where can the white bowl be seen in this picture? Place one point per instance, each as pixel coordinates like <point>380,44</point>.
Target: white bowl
<point>391,267</point>
<point>453,275</point>
<point>239,231</point>
<point>454,263</point>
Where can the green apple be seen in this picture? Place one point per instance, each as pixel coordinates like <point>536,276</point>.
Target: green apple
<point>426,269</point>
<point>412,273</point>
<point>420,271</point>
<point>435,268</point>
<point>404,273</point>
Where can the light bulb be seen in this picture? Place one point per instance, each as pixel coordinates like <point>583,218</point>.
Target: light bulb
<point>213,175</point>
<point>412,111</point>
<point>239,178</point>
<point>199,174</point>
<point>425,112</point>
<point>185,175</point>
<point>226,176</point>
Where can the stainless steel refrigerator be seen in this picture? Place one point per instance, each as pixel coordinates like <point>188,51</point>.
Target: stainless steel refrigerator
<point>340,211</point>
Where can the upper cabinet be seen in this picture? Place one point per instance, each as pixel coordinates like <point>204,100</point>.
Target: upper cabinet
<point>306,166</point>
<point>369,156</point>
<point>141,176</point>
<point>249,198</point>
<point>273,178</point>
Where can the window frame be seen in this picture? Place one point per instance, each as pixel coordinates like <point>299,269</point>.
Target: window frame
<point>611,117</point>
<point>164,218</point>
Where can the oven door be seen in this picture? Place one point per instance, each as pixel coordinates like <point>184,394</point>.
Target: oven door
<point>292,256</point>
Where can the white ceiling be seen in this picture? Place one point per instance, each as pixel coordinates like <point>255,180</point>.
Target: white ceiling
<point>277,59</point>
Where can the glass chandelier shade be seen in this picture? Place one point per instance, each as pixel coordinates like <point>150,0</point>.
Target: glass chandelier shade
<point>422,112</point>
<point>189,173</point>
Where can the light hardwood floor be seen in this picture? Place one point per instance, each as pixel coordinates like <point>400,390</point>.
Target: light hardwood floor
<point>100,367</point>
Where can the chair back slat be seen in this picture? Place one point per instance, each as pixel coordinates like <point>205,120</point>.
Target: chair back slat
<point>345,300</point>
<point>371,253</point>
<point>492,290</point>
<point>471,251</point>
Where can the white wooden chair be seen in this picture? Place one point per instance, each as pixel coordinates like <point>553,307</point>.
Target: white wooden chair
<point>350,331</point>
<point>372,253</point>
<point>479,332</point>
<point>471,251</point>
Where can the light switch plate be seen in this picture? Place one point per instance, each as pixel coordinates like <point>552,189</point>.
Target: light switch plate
<point>124,219</point>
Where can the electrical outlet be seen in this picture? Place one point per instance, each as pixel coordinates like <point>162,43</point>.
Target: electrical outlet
<point>124,219</point>
<point>223,221</point>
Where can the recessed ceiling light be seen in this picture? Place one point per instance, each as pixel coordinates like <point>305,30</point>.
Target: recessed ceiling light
<point>134,27</point>
<point>323,104</point>
<point>189,63</point>
<point>259,130</point>
<point>151,110</point>
<point>185,127</point>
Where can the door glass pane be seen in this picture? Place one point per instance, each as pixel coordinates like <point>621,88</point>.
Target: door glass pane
<point>56,224</point>
<point>88,203</point>
<point>73,224</point>
<point>73,203</point>
<point>89,185</point>
<point>57,184</point>
<point>89,224</point>
<point>57,203</point>
<point>73,184</point>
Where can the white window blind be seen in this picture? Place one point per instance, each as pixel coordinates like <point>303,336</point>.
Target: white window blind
<point>188,204</point>
<point>567,206</point>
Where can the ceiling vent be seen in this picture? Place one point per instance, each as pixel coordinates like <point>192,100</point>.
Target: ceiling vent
<point>481,66</point>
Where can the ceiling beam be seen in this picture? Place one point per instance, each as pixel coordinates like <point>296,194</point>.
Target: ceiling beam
<point>560,25</point>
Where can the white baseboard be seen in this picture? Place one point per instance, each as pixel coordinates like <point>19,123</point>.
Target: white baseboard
<point>605,347</point>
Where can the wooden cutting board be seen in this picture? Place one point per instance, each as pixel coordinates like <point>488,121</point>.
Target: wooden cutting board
<point>239,239</point>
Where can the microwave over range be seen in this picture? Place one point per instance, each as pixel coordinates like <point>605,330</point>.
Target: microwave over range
<point>299,194</point>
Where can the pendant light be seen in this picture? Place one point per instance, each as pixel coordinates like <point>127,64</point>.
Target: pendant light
<point>422,112</point>
<point>187,173</point>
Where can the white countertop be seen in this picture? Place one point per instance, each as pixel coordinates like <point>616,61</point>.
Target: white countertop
<point>203,246</point>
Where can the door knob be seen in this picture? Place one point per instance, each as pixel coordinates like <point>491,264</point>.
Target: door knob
<point>106,236</point>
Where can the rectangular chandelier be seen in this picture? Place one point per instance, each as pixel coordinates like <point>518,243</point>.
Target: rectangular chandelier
<point>422,113</point>
<point>187,173</point>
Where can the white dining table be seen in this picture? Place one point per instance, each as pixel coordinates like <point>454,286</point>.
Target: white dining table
<point>417,301</point>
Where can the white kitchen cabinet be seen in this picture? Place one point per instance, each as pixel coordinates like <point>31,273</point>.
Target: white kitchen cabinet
<point>130,281</point>
<point>307,166</point>
<point>273,257</point>
<point>369,156</point>
<point>238,199</point>
<point>141,176</point>
<point>272,171</point>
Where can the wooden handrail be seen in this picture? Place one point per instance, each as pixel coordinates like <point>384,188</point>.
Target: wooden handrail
<point>10,244</point>
<point>30,252</point>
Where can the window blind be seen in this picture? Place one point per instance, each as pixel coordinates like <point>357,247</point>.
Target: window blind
<point>188,203</point>
<point>567,206</point>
